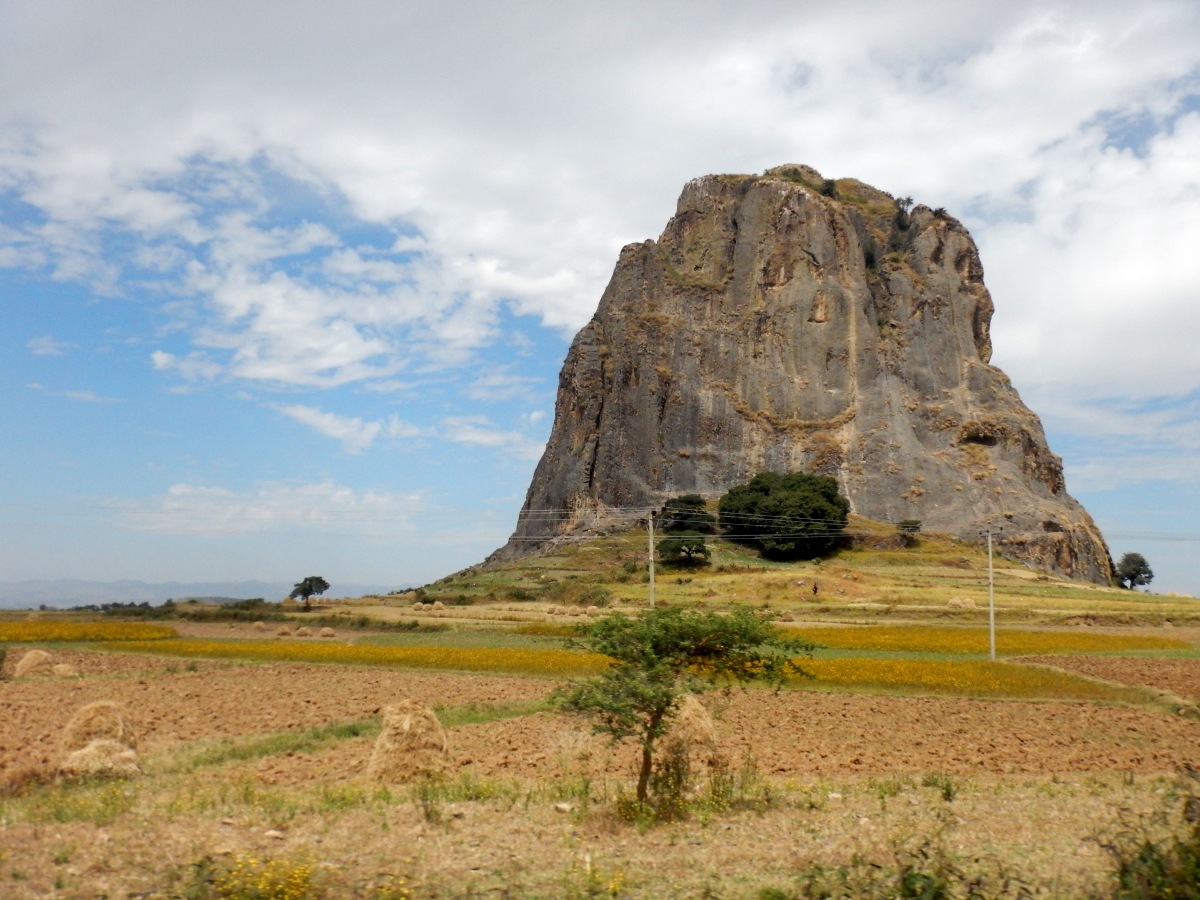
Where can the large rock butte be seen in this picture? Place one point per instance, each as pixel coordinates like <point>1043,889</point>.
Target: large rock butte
<point>786,322</point>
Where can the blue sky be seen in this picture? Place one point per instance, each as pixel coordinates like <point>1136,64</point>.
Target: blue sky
<point>286,287</point>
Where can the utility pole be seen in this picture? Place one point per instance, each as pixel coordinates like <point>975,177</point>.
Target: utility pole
<point>650,536</point>
<point>991,602</point>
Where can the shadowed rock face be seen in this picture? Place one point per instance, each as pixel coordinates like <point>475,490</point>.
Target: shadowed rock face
<point>784,323</point>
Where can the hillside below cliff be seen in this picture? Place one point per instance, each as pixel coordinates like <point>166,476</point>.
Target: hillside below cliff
<point>789,322</point>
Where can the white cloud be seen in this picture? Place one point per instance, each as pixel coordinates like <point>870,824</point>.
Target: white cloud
<point>355,434</point>
<point>325,506</point>
<point>47,345</point>
<point>495,170</point>
<point>501,384</point>
<point>77,396</point>
<point>479,432</point>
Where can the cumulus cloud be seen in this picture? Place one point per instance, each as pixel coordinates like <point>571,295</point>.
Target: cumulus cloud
<point>355,434</point>
<point>357,196</point>
<point>191,509</point>
<point>479,432</point>
<point>48,346</point>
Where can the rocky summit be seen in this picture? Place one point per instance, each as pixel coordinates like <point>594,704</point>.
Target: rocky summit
<point>789,322</point>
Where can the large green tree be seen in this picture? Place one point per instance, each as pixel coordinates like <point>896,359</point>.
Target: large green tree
<point>1133,570</point>
<point>787,516</point>
<point>664,653</point>
<point>313,584</point>
<point>688,512</point>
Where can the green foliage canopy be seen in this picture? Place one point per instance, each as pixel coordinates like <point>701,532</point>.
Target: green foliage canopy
<point>687,513</point>
<point>1133,570</point>
<point>792,516</point>
<point>313,584</point>
<point>686,548</point>
<point>664,653</point>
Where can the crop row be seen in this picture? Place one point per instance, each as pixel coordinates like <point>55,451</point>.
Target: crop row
<point>1009,642</point>
<point>962,677</point>
<point>528,661</point>
<point>977,678</point>
<point>49,631</point>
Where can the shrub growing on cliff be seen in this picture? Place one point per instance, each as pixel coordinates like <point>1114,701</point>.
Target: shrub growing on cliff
<point>793,516</point>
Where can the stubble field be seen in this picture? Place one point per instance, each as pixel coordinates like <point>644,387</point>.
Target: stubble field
<point>259,768</point>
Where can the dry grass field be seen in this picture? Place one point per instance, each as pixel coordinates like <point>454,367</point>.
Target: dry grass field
<point>909,752</point>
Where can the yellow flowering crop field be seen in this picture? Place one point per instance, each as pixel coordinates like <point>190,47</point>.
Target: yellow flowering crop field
<point>49,631</point>
<point>527,661</point>
<point>966,678</point>
<point>1009,642</point>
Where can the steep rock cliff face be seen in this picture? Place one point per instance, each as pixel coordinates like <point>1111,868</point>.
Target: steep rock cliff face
<point>786,322</point>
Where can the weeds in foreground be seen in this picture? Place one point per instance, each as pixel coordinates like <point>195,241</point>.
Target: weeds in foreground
<point>585,880</point>
<point>250,878</point>
<point>921,867</point>
<point>676,794</point>
<point>96,800</point>
<point>1151,865</point>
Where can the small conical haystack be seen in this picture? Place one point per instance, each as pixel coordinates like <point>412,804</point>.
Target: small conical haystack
<point>411,744</point>
<point>99,740</point>
<point>35,662</point>
<point>692,733</point>
<point>101,758</point>
<point>102,720</point>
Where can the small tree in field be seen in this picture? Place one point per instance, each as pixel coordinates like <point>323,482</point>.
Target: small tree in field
<point>663,654</point>
<point>313,584</point>
<point>1133,570</point>
<point>684,548</point>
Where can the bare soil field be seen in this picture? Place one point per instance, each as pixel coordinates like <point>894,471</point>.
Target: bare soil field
<point>1177,676</point>
<point>838,775</point>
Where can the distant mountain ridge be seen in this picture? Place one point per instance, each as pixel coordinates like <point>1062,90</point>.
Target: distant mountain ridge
<point>66,592</point>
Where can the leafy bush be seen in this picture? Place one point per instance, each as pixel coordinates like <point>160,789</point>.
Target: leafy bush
<point>687,513</point>
<point>684,548</point>
<point>1162,869</point>
<point>793,516</point>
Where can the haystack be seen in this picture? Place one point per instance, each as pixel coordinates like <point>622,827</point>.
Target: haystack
<point>328,632</point>
<point>64,670</point>
<point>35,662</point>
<point>303,631</point>
<point>101,758</point>
<point>102,720</point>
<point>411,744</point>
<point>260,626</point>
<point>593,611</point>
<point>283,631</point>
<point>692,733</point>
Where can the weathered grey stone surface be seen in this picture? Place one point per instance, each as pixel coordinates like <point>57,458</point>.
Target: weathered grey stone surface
<point>773,326</point>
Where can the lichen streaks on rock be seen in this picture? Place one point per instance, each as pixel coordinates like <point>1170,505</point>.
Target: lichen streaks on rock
<point>783,322</point>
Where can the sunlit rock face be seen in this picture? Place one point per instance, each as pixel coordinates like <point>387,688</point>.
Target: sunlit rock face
<point>786,322</point>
